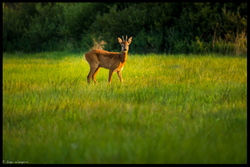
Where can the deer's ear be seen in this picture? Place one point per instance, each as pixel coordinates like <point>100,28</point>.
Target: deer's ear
<point>129,40</point>
<point>119,40</point>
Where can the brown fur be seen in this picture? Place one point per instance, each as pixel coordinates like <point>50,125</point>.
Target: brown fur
<point>113,61</point>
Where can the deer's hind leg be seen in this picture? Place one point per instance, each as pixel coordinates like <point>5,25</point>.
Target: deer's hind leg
<point>92,70</point>
<point>110,75</point>
<point>96,71</point>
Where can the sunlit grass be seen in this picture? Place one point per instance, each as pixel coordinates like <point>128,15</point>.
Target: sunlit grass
<point>170,109</point>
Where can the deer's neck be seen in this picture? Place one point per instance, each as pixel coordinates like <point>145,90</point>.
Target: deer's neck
<point>124,56</point>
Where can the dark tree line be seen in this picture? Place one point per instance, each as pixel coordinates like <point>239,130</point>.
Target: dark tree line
<point>155,27</point>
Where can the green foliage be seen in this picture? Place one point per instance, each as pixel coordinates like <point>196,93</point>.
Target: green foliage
<point>42,27</point>
<point>111,24</point>
<point>155,27</point>
<point>145,42</point>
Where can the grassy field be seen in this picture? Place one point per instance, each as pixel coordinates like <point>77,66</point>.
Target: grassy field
<point>170,109</point>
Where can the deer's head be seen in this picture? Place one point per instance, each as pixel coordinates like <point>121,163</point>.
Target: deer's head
<point>125,43</point>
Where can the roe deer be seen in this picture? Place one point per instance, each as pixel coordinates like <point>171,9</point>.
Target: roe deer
<point>113,61</point>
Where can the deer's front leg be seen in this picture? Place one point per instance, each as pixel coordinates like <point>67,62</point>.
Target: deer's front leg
<point>120,75</point>
<point>110,75</point>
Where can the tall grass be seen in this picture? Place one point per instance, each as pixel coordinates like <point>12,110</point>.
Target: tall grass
<point>170,109</point>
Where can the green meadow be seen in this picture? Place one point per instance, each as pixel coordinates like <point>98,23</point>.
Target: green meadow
<point>169,109</point>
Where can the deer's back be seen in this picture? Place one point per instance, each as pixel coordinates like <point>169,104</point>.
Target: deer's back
<point>98,54</point>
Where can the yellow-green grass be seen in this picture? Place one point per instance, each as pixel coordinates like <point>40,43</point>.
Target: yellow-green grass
<point>170,109</point>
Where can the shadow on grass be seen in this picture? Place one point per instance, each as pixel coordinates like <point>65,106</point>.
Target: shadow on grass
<point>44,55</point>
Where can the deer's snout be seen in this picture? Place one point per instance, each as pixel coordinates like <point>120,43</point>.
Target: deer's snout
<point>125,48</point>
